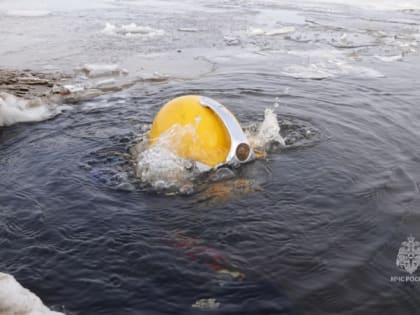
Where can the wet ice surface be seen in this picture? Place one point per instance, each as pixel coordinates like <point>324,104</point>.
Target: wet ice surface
<point>354,40</point>
<point>314,227</point>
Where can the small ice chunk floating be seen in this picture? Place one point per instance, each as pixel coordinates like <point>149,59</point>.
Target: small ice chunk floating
<point>201,129</point>
<point>15,299</point>
<point>15,110</point>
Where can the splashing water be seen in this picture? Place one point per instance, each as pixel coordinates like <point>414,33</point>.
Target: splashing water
<point>160,166</point>
<point>267,133</point>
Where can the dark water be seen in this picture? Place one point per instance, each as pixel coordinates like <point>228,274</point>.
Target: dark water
<point>320,235</point>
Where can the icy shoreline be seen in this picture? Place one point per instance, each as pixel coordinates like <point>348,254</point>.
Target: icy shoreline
<point>27,96</point>
<point>15,299</point>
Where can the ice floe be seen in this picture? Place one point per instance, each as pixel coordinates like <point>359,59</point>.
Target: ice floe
<point>100,70</point>
<point>132,29</point>
<point>389,58</point>
<point>15,110</point>
<point>188,29</point>
<point>255,31</point>
<point>16,300</point>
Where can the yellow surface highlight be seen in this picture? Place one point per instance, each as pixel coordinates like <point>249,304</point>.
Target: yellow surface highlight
<point>191,130</point>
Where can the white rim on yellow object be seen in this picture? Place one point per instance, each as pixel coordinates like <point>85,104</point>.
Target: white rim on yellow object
<point>240,150</point>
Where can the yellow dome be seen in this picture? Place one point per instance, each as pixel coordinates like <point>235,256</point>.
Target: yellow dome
<point>202,137</point>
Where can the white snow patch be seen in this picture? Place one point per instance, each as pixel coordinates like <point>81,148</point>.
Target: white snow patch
<point>15,110</point>
<point>15,299</point>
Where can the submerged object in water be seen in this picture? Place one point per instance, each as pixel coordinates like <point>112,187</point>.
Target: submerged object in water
<point>203,130</point>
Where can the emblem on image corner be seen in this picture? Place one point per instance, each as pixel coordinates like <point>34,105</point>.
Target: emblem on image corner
<point>408,257</point>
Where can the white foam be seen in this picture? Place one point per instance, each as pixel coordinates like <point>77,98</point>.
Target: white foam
<point>28,13</point>
<point>15,110</point>
<point>160,166</point>
<point>15,299</point>
<point>132,29</point>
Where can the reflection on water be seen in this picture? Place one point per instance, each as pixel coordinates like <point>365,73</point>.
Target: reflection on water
<point>312,228</point>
